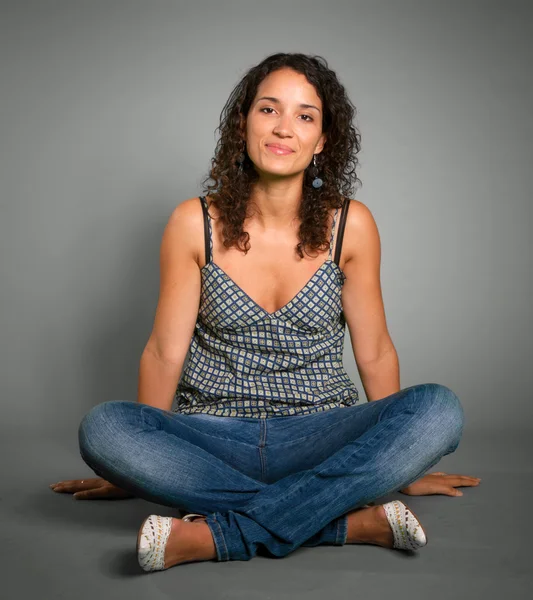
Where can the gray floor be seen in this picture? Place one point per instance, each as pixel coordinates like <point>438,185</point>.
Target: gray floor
<point>53,546</point>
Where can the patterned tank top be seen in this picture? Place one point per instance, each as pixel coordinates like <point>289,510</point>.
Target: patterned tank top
<point>246,362</point>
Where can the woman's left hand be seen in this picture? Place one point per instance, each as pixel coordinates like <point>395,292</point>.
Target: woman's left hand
<point>439,483</point>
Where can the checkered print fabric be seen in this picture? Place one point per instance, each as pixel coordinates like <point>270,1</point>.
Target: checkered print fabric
<point>246,362</point>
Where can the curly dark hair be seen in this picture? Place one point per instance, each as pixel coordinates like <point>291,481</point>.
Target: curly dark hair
<point>336,163</point>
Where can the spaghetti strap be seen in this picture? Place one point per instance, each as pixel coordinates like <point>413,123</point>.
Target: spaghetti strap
<point>340,233</point>
<point>208,238</point>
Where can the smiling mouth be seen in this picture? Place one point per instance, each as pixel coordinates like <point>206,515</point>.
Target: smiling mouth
<point>279,150</point>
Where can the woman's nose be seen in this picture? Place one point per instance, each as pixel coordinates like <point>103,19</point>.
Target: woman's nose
<point>283,126</point>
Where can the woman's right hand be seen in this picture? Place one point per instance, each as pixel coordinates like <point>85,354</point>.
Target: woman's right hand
<point>87,489</point>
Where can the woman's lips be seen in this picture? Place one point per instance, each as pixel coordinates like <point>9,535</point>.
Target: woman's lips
<point>279,150</point>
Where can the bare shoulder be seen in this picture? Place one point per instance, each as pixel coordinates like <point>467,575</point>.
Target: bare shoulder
<point>360,230</point>
<point>187,224</point>
<point>189,210</point>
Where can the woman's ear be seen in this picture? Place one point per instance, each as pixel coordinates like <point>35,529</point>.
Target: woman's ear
<point>321,143</point>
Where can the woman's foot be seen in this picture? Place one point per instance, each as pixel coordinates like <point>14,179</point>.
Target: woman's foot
<point>391,525</point>
<point>189,542</point>
<point>369,526</point>
<point>164,542</point>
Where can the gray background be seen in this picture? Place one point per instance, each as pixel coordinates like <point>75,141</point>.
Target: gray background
<point>107,121</point>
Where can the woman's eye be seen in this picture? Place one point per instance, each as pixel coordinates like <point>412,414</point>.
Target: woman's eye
<point>309,118</point>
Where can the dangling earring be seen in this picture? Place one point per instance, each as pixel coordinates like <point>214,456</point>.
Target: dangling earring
<point>242,158</point>
<point>317,182</point>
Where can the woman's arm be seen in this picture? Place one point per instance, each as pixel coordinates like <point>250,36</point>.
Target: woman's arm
<point>177,309</point>
<point>375,355</point>
<point>382,377</point>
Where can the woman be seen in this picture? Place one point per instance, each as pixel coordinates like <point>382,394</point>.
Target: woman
<point>268,444</point>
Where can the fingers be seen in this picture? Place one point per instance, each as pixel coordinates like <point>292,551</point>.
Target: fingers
<point>455,475</point>
<point>457,479</point>
<point>85,489</point>
<point>463,480</point>
<point>75,485</point>
<point>108,491</point>
<point>92,493</point>
<point>80,491</point>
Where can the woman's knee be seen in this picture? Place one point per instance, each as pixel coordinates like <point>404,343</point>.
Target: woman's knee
<point>99,427</point>
<point>445,405</point>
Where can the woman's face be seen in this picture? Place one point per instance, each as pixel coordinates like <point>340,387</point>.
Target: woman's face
<point>276,116</point>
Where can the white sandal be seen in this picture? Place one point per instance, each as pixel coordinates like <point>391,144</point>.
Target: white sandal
<point>406,529</point>
<point>152,540</point>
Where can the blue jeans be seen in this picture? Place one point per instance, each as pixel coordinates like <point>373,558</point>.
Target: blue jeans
<point>275,483</point>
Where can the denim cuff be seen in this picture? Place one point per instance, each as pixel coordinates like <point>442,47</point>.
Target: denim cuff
<point>342,530</point>
<point>218,538</point>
